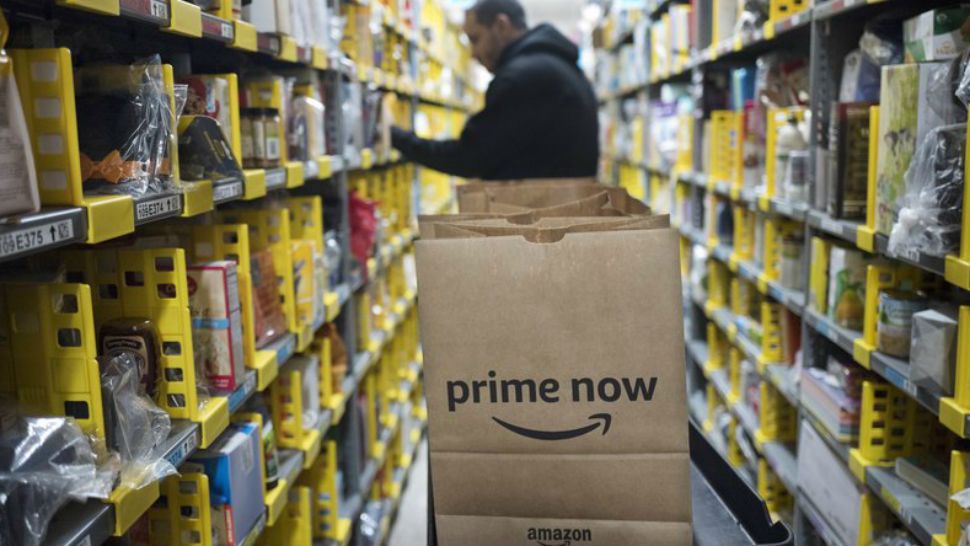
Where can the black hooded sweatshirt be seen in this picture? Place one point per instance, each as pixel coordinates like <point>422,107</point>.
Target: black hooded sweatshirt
<point>539,121</point>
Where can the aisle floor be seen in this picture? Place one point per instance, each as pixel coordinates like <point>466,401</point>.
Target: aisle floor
<point>411,528</point>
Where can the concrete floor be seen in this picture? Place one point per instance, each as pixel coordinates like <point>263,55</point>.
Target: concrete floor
<point>411,528</point>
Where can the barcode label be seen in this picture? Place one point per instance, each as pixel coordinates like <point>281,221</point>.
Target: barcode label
<point>275,178</point>
<point>226,31</point>
<point>225,192</point>
<point>160,9</point>
<point>157,207</point>
<point>27,239</point>
<point>182,451</point>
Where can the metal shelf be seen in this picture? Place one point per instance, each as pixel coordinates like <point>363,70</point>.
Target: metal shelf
<point>26,234</point>
<point>922,516</point>
<point>843,229</point>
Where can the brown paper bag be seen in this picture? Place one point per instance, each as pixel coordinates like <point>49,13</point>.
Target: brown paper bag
<point>555,382</point>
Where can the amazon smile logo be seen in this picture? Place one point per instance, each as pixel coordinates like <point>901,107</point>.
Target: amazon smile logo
<point>558,537</point>
<point>548,391</point>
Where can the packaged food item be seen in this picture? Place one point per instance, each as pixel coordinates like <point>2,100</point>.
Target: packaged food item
<point>136,337</point>
<point>272,138</point>
<point>134,426</point>
<point>217,322</point>
<point>793,260</point>
<point>338,356</point>
<point>18,177</point>
<point>271,457</point>
<point>847,287</point>
<point>235,482</point>
<point>895,323</point>
<point>267,309</point>
<point>305,281</point>
<point>932,356</point>
<point>125,128</point>
<point>204,152</point>
<point>937,34</point>
<point>208,95</point>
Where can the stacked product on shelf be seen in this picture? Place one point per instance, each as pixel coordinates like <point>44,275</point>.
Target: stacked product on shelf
<point>821,204</point>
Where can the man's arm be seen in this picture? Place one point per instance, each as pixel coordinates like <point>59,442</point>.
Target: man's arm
<point>508,121</point>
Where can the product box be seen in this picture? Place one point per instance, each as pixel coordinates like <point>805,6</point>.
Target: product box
<point>210,96</point>
<point>932,357</point>
<point>836,497</point>
<point>847,287</point>
<point>848,160</point>
<point>897,139</point>
<point>937,34</point>
<point>235,482</point>
<point>217,322</point>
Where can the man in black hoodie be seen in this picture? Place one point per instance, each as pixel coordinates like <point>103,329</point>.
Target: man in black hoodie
<point>540,115</point>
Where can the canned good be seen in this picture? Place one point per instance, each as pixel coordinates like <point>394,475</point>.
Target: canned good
<point>895,322</point>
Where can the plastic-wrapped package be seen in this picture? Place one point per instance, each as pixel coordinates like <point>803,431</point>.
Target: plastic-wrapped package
<point>138,426</point>
<point>267,310</point>
<point>44,463</point>
<point>754,14</point>
<point>125,128</point>
<point>895,538</point>
<point>931,209</point>
<point>698,272</point>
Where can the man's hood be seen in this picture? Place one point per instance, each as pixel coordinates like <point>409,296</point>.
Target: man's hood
<point>543,38</point>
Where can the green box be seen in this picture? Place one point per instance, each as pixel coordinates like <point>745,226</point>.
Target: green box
<point>938,34</point>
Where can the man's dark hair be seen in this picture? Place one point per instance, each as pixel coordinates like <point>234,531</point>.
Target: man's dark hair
<point>487,10</point>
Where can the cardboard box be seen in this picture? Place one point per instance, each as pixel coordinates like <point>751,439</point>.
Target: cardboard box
<point>555,384</point>
<point>217,322</point>
<point>937,34</point>
<point>235,482</point>
<point>932,356</point>
<point>899,100</point>
<point>836,497</point>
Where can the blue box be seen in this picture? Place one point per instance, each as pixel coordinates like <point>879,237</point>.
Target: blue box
<point>234,469</point>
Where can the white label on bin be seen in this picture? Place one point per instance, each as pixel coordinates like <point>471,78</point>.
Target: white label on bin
<point>184,449</point>
<point>226,31</point>
<point>154,208</point>
<point>225,192</point>
<point>27,239</point>
<point>275,179</point>
<point>160,9</point>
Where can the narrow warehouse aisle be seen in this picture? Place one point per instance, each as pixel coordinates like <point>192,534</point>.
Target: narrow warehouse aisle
<point>411,527</point>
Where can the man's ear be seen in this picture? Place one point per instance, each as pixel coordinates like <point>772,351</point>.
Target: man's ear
<point>502,23</point>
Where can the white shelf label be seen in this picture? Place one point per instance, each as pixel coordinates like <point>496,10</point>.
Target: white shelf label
<point>160,9</point>
<point>188,445</point>
<point>275,179</point>
<point>27,239</point>
<point>226,192</point>
<point>226,30</point>
<point>162,206</point>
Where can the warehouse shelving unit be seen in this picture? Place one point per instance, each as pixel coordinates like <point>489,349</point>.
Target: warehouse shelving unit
<point>823,33</point>
<point>388,360</point>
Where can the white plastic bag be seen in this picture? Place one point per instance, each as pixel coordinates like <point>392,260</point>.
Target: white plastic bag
<point>44,463</point>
